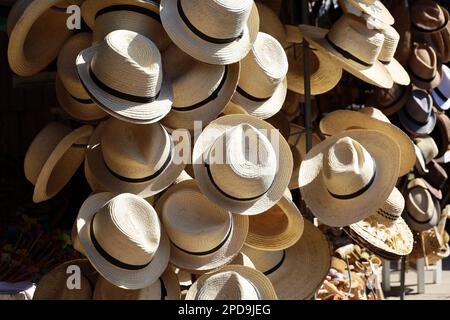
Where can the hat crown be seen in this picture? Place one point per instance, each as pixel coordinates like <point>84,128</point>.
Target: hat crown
<point>419,106</point>
<point>391,39</point>
<point>423,61</point>
<point>392,208</point>
<point>428,148</point>
<point>420,204</point>
<point>129,63</point>
<point>427,15</point>
<point>228,285</point>
<point>375,114</point>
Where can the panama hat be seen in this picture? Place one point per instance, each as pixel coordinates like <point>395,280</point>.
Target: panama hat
<point>53,286</point>
<point>218,158</point>
<point>418,117</point>
<point>297,272</point>
<point>218,32</point>
<point>262,84</point>
<point>346,177</point>
<point>37,30</point>
<point>389,101</point>
<point>368,8</point>
<point>441,133</point>
<point>124,76</point>
<point>441,94</point>
<point>270,23</point>
<point>125,157</point>
<point>424,67</point>
<point>354,47</point>
<point>53,157</point>
<point>422,209</point>
<point>372,119</point>
<point>426,150</point>
<point>200,90</point>
<point>123,239</point>
<point>203,236</point>
<point>165,288</point>
<point>232,283</point>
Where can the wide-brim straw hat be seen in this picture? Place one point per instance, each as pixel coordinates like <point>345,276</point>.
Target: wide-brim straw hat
<point>297,272</point>
<point>283,154</point>
<point>340,211</point>
<point>53,157</point>
<point>207,51</point>
<point>259,282</point>
<point>341,120</point>
<point>121,277</point>
<point>270,23</point>
<point>37,31</point>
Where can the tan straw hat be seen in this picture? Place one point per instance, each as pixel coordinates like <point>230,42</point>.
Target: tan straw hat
<point>123,239</point>
<point>424,67</point>
<point>422,209</point>
<point>126,157</point>
<point>371,119</point>
<point>53,158</point>
<point>270,23</point>
<point>232,283</point>
<point>124,76</point>
<point>242,163</point>
<point>368,8</point>
<point>203,236</point>
<point>346,177</point>
<point>426,150</point>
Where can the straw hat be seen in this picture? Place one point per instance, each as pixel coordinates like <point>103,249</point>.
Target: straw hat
<point>164,288</point>
<point>346,177</point>
<point>200,90</point>
<point>418,117</point>
<point>203,236</point>
<point>372,119</point>
<point>428,17</point>
<point>297,272</point>
<point>53,157</point>
<point>126,157</point>
<point>262,84</point>
<point>424,67</point>
<point>354,47</point>
<point>123,239</point>
<point>422,183</point>
<point>232,283</point>
<point>220,152</point>
<point>124,76</point>
<point>325,74</point>
<point>242,260</point>
<point>37,31</point>
<point>368,8</point>
<point>218,32</point>
<point>441,133</point>
<point>422,209</point>
<point>270,23</point>
<point>426,150</point>
<point>389,101</point>
<point>441,94</point>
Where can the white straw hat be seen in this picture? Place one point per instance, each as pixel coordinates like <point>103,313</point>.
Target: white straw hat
<point>123,239</point>
<point>124,76</point>
<point>368,8</point>
<point>216,32</point>
<point>426,150</point>
<point>346,177</point>
<point>242,163</point>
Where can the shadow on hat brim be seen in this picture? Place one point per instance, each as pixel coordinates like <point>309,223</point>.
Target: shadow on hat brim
<point>415,128</point>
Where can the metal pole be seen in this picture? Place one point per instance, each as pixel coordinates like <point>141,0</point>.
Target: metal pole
<point>402,278</point>
<point>307,79</point>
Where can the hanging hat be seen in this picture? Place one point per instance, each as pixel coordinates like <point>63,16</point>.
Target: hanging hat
<point>441,94</point>
<point>212,32</point>
<point>389,101</point>
<point>203,236</point>
<point>297,272</point>
<point>218,157</point>
<point>346,177</point>
<point>262,84</point>
<point>368,8</point>
<point>124,76</point>
<point>123,239</point>
<point>125,157</point>
<point>372,119</point>
<point>422,209</point>
<point>232,283</point>
<point>270,23</point>
<point>53,157</point>
<point>37,31</point>
<point>424,67</point>
<point>437,176</point>
<point>200,90</point>
<point>426,150</point>
<point>418,117</point>
<point>428,17</point>
<point>441,133</point>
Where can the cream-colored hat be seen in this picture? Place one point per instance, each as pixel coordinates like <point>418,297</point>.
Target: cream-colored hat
<point>426,150</point>
<point>422,209</point>
<point>346,177</point>
<point>270,23</point>
<point>124,76</point>
<point>368,8</point>
<point>53,157</point>
<point>242,163</point>
<point>123,239</point>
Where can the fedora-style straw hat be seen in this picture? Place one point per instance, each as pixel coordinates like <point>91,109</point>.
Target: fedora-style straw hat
<point>124,76</point>
<point>53,157</point>
<point>216,32</point>
<point>354,47</point>
<point>203,236</point>
<point>344,178</point>
<point>441,133</point>
<point>262,86</point>
<point>270,23</point>
<point>441,94</point>
<point>37,30</point>
<point>389,101</point>
<point>418,117</point>
<point>422,183</point>
<point>200,90</point>
<point>232,283</point>
<point>242,164</point>
<point>428,17</point>
<point>422,209</point>
<point>139,159</point>
<point>368,8</point>
<point>424,67</point>
<point>372,119</point>
<point>426,150</point>
<point>123,239</point>
<point>298,271</point>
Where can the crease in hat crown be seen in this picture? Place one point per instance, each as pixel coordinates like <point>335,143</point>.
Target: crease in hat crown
<point>420,204</point>
<point>423,62</point>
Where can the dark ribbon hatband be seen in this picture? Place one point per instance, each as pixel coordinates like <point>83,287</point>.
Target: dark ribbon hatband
<point>440,94</point>
<point>141,10</point>
<point>410,118</point>
<point>277,266</point>
<point>163,289</point>
<point>415,75</point>
<point>385,62</point>
<point>82,101</point>
<point>347,54</point>
<point>430,31</point>
<point>247,95</point>
<point>212,97</point>
<point>200,34</point>
<point>357,193</point>
<point>110,258</point>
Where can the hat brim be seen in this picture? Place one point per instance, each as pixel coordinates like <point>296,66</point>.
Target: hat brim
<point>439,102</point>
<point>398,73</point>
<point>420,161</point>
<point>284,160</point>
<point>127,279</point>
<point>343,212</point>
<point>428,85</point>
<point>202,50</point>
<point>416,128</point>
